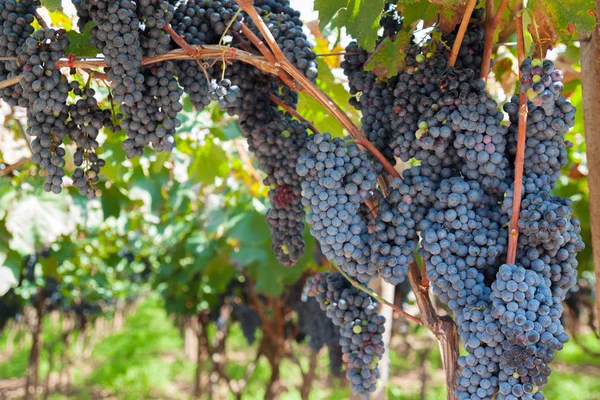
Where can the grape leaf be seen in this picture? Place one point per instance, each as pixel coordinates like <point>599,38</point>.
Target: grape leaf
<point>314,111</point>
<point>568,17</point>
<point>445,13</point>
<point>79,43</point>
<point>359,17</point>
<point>388,58</point>
<point>59,18</point>
<point>38,220</point>
<point>414,11</point>
<point>52,5</point>
<point>209,162</point>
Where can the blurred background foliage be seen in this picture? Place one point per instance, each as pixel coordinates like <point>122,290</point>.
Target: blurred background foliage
<point>125,279</point>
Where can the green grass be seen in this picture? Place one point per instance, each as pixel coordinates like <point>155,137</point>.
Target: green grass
<point>144,360</point>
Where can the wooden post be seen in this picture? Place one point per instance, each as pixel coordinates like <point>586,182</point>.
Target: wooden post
<point>590,72</point>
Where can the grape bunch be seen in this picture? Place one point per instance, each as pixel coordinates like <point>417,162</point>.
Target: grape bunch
<point>16,18</point>
<point>361,328</point>
<point>86,120</point>
<point>394,237</point>
<point>224,93</point>
<point>154,15</point>
<point>336,180</point>
<point>46,90</point>
<point>248,319</point>
<point>153,120</point>
<point>285,25</point>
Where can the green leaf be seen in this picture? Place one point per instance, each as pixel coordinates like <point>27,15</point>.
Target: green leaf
<point>38,220</point>
<point>568,16</point>
<point>528,39</point>
<point>112,201</point>
<point>13,261</point>
<point>218,273</point>
<point>413,11</point>
<point>79,43</point>
<point>312,110</point>
<point>251,229</point>
<point>388,58</point>
<point>210,162</point>
<point>232,131</point>
<point>52,5</point>
<point>359,17</point>
<point>59,18</point>
<point>444,13</point>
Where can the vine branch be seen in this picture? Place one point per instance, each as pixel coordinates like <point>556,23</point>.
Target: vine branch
<point>492,20</point>
<point>380,157</point>
<point>293,113</point>
<point>10,168</point>
<point>461,32</point>
<point>522,134</point>
<point>377,297</point>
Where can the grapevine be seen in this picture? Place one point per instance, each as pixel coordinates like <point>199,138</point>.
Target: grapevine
<point>473,203</point>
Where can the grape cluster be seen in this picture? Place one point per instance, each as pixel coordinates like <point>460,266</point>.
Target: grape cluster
<point>336,180</point>
<point>541,81</point>
<point>285,25</point>
<point>86,120</point>
<point>372,97</point>
<point>470,53</point>
<point>248,319</point>
<point>153,119</point>
<point>116,33</point>
<point>154,15</point>
<point>390,20</point>
<point>361,328</point>
<point>313,322</point>
<point>224,93</point>
<point>16,18</point>
<point>46,90</point>
<point>394,236</point>
<point>286,222</point>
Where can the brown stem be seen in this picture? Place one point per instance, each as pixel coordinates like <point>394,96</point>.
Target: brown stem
<point>372,208</point>
<point>201,52</point>
<point>189,49</point>
<point>306,86</point>
<point>41,20</point>
<point>590,68</point>
<point>260,45</point>
<point>491,24</point>
<point>377,154</point>
<point>520,156</point>
<point>31,380</point>
<point>10,168</point>
<point>397,310</point>
<point>461,32</point>
<point>254,302</point>
<point>425,278</point>
<point>443,328</point>
<point>293,113</point>
<point>248,7</point>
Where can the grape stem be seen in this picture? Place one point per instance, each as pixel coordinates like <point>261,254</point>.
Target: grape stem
<point>304,84</point>
<point>491,24</point>
<point>260,45</point>
<point>40,20</point>
<point>380,299</point>
<point>520,156</point>
<point>377,154</point>
<point>293,113</point>
<point>10,168</point>
<point>461,32</point>
<point>179,40</point>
